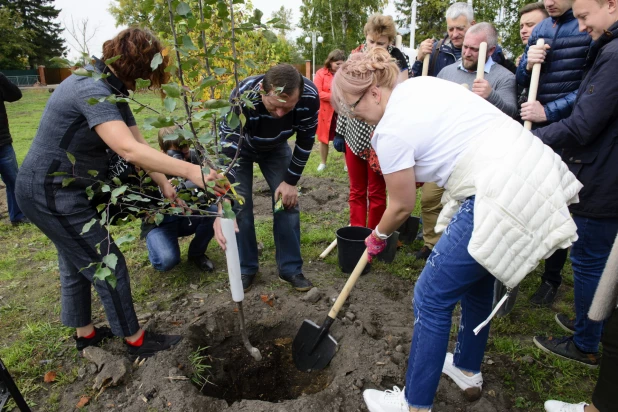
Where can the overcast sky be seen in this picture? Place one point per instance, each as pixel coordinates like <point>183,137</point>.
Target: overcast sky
<point>98,15</point>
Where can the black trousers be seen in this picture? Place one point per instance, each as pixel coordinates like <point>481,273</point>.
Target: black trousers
<point>554,265</point>
<point>604,396</point>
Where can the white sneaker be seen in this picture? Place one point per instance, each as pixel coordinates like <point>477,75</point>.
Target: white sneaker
<point>557,406</point>
<point>321,167</point>
<point>345,168</point>
<point>386,401</point>
<point>471,385</point>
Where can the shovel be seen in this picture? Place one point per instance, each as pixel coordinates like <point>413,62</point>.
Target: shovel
<point>313,347</point>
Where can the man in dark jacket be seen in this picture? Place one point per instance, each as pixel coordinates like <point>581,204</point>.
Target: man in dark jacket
<point>563,55</point>
<point>589,138</point>
<point>8,162</point>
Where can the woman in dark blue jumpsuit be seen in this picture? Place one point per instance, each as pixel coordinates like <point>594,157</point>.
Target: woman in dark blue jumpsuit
<point>70,125</point>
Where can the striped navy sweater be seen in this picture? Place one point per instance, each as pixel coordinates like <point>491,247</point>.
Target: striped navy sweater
<point>262,132</point>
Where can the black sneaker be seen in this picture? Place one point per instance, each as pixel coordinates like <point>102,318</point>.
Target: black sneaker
<point>153,343</point>
<point>298,282</point>
<point>545,294</point>
<point>202,262</point>
<point>100,334</point>
<point>566,323</point>
<point>247,281</point>
<point>423,254</point>
<point>22,221</point>
<point>565,348</point>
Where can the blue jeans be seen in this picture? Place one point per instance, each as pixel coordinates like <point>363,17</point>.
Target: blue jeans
<point>162,241</point>
<point>8,171</point>
<point>450,275</point>
<point>286,224</point>
<point>588,258</point>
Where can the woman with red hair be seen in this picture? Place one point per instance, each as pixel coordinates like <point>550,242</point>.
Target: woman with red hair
<point>70,125</point>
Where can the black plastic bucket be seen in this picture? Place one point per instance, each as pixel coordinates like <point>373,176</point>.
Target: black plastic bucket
<point>350,247</point>
<point>388,254</point>
<point>409,229</point>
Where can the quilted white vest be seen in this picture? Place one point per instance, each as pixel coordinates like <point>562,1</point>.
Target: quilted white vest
<point>522,190</point>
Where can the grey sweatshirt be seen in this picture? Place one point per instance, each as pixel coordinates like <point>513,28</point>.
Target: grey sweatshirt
<point>502,81</point>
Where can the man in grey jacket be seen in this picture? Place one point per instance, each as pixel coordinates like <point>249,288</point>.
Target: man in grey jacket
<point>8,162</point>
<point>498,85</point>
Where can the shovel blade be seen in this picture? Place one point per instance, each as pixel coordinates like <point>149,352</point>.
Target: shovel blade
<point>309,356</point>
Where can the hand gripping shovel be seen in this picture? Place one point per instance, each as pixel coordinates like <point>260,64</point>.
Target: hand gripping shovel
<point>313,347</point>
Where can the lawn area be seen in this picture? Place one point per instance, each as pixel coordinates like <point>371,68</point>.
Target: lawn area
<point>34,342</point>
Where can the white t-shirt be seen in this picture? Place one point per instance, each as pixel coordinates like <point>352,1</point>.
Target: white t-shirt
<point>428,124</point>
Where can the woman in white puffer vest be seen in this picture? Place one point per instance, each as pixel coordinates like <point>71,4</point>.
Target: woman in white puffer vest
<point>506,208</point>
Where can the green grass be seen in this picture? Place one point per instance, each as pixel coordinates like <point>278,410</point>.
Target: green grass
<point>30,304</point>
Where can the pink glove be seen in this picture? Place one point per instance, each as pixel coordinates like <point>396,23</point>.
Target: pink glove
<point>375,245</point>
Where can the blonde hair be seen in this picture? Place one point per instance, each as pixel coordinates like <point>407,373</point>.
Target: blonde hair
<point>381,25</point>
<point>360,72</point>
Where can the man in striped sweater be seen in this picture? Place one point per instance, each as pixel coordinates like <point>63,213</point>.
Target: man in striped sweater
<point>276,106</point>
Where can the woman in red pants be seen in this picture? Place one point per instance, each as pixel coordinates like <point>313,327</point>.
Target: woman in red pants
<point>327,119</point>
<point>353,136</point>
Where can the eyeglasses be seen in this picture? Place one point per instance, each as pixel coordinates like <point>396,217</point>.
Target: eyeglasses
<point>350,108</point>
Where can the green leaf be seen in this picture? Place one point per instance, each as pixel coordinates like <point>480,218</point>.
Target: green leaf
<point>183,9</point>
<point>243,119</point>
<point>105,189</point>
<point>117,192</point>
<point>110,260</point>
<point>124,239</point>
<point>216,104</point>
<point>105,275</point>
<point>206,170</point>
<point>219,70</point>
<point>141,84</point>
<point>88,225</point>
<point>232,120</point>
<point>171,89</point>
<point>116,181</point>
<point>71,158</point>
<point>250,63</point>
<point>158,219</point>
<point>82,72</point>
<point>58,174</point>
<point>93,173</point>
<point>188,43</point>
<point>101,207</point>
<point>170,104</point>
<point>156,61</point>
<point>61,61</point>
<point>98,76</point>
<point>89,192</point>
<point>228,213</point>
<point>113,59</point>
<point>67,181</point>
<point>269,36</point>
<point>92,101</point>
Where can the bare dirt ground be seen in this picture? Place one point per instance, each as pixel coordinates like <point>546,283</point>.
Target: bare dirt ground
<point>373,332</point>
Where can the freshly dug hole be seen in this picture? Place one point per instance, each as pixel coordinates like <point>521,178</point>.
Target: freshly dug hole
<point>235,375</point>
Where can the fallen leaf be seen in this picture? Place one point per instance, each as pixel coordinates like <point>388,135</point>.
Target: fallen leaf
<point>83,402</point>
<point>49,377</point>
<point>268,299</point>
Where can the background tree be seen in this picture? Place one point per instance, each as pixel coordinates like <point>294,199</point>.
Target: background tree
<point>431,22</point>
<point>15,41</point>
<point>38,17</point>
<point>285,17</point>
<point>81,35</point>
<point>341,23</point>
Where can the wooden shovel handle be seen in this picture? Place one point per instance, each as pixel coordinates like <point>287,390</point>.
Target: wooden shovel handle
<point>329,249</point>
<point>480,68</point>
<point>534,83</point>
<point>426,65</point>
<point>343,296</point>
